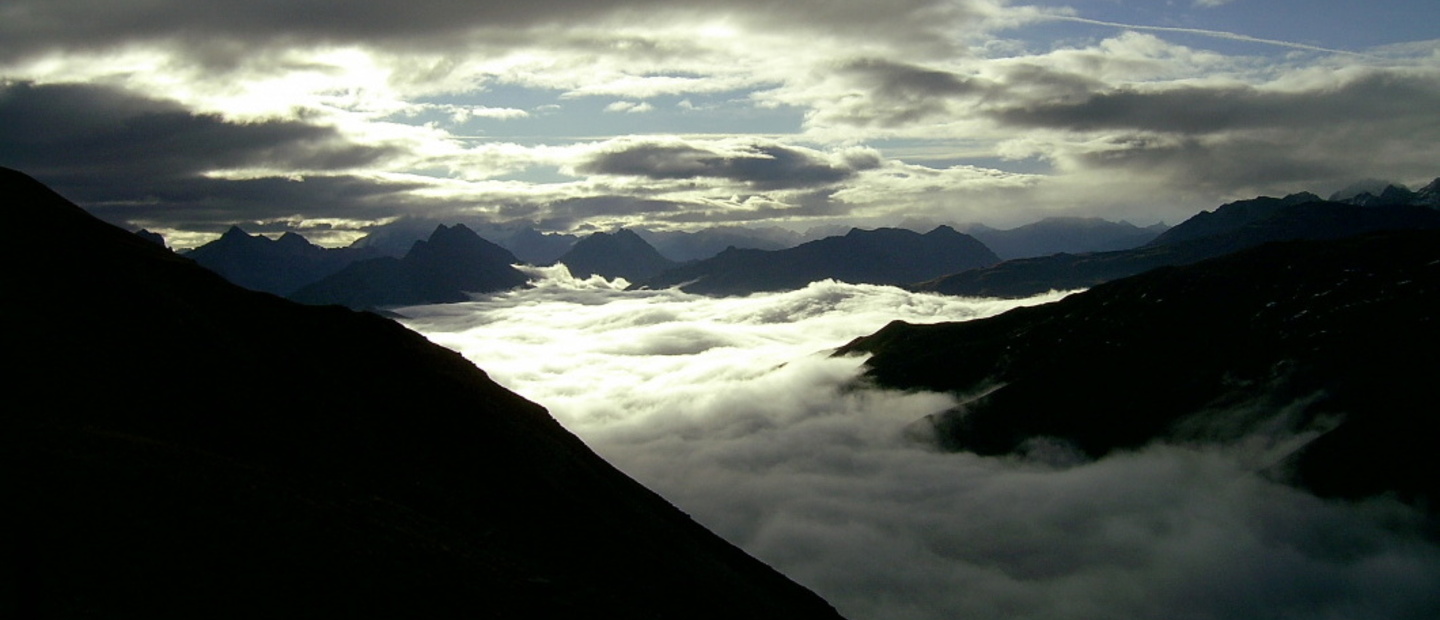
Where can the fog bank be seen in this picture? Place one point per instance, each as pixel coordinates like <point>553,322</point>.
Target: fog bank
<point>733,410</point>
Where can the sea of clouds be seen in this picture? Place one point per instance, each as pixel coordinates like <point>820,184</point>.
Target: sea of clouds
<point>733,409</point>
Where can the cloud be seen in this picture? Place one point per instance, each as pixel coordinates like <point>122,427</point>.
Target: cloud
<point>75,128</point>
<point>540,110</point>
<point>731,409</point>
<point>764,166</point>
<point>132,158</point>
<point>227,29</point>
<point>630,107</point>
<point>1187,109</point>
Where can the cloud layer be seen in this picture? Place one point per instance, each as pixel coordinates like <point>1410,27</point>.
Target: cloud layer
<point>731,409</point>
<point>746,111</point>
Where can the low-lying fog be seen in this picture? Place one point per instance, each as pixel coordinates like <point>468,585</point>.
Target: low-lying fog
<point>732,409</point>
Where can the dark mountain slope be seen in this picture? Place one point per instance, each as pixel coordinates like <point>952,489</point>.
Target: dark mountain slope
<point>881,256</point>
<point>622,254</point>
<point>1284,337</point>
<point>178,447</point>
<point>454,261</point>
<point>1230,217</point>
<point>1229,229</point>
<point>279,266</point>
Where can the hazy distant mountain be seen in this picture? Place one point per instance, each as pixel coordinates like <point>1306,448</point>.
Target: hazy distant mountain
<point>1230,228</point>
<point>881,256</point>
<point>454,261</point>
<point>536,248</point>
<point>1054,235</point>
<point>397,237</point>
<point>1364,186</point>
<point>530,246</point>
<point>1334,337</point>
<point>621,254</point>
<point>178,447</point>
<point>279,266</point>
<point>1392,195</point>
<point>681,246</point>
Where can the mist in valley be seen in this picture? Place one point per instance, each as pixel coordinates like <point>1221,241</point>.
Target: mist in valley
<point>734,410</point>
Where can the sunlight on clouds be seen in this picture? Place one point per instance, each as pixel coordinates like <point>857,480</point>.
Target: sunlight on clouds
<point>731,409</point>
<point>664,341</point>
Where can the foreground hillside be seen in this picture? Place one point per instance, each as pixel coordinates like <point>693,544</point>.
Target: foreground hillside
<point>177,447</point>
<point>1323,352</point>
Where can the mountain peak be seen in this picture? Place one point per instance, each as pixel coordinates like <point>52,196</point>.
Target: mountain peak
<point>621,254</point>
<point>235,232</point>
<point>942,230</point>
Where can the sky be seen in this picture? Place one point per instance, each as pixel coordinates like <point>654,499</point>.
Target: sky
<point>330,119</point>
<point>733,409</point>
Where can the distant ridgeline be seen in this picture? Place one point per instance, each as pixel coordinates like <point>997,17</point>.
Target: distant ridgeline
<point>1321,355</point>
<point>175,446</point>
<point>455,261</point>
<point>1232,227</point>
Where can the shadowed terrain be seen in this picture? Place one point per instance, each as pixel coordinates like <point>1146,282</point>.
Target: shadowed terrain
<point>1334,340</point>
<point>178,447</point>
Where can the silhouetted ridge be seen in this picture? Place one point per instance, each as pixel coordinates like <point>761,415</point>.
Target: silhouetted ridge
<point>881,256</point>
<point>179,447</point>
<point>445,268</point>
<point>1231,228</point>
<point>622,254</point>
<point>278,266</point>
<point>1053,235</point>
<point>1272,341</point>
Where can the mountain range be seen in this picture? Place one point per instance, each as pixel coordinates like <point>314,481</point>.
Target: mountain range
<point>880,256</point>
<point>1319,355</point>
<point>1054,235</point>
<point>280,266</point>
<point>1231,227</point>
<point>621,254</point>
<point>179,447</point>
<point>445,268</point>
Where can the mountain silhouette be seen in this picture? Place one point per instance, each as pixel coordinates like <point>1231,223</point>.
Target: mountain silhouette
<point>881,256</point>
<point>1054,235</point>
<point>1332,337</point>
<point>683,246</point>
<point>1232,227</point>
<point>453,262</point>
<point>622,254</point>
<point>176,446</point>
<point>280,266</point>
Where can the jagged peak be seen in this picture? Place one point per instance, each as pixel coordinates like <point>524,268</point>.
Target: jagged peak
<point>943,229</point>
<point>235,232</point>
<point>1300,198</point>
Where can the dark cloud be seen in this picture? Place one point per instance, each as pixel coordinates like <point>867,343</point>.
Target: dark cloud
<point>895,94</point>
<point>71,129</point>
<point>212,205</point>
<point>570,212</point>
<point>1239,141</point>
<point>223,28</point>
<point>132,158</point>
<point>762,166</point>
<point>1376,98</point>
